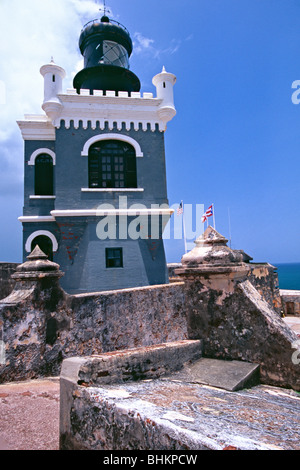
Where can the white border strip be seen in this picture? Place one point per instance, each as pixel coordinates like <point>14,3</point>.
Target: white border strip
<point>37,234</point>
<point>42,197</point>
<point>36,218</point>
<point>40,151</point>
<point>105,212</point>
<point>112,136</point>
<point>108,190</point>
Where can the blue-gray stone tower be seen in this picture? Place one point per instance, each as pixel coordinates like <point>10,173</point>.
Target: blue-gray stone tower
<point>95,193</point>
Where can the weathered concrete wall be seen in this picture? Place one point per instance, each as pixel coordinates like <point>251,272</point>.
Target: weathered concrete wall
<point>42,325</point>
<point>6,282</point>
<point>29,320</point>
<point>264,277</point>
<point>290,302</point>
<point>232,306</point>
<point>143,363</point>
<point>128,318</point>
<point>239,324</point>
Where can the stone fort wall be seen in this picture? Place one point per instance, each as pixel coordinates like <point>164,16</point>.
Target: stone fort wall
<point>6,282</point>
<point>237,319</point>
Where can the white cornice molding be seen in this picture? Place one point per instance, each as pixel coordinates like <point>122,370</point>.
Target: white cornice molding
<point>36,127</point>
<point>96,109</point>
<point>42,197</point>
<point>105,212</point>
<point>36,218</point>
<point>108,190</point>
<point>94,213</point>
<point>133,111</point>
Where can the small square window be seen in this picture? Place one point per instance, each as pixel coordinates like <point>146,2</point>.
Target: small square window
<point>114,257</point>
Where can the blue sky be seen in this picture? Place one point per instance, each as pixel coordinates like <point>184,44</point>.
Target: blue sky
<point>235,140</point>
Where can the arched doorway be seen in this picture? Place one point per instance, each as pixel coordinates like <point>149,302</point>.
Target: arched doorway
<point>45,244</point>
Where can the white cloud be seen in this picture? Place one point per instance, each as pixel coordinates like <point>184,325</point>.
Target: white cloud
<point>87,7</point>
<point>32,32</point>
<point>90,9</point>
<point>144,45</point>
<point>141,43</point>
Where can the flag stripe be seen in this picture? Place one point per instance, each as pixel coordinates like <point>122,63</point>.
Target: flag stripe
<point>180,209</point>
<point>208,213</point>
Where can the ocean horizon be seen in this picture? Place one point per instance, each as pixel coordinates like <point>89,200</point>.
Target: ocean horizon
<point>288,275</point>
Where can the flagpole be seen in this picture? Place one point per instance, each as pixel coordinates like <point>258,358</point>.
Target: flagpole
<point>214,216</point>
<point>184,231</point>
<point>229,224</point>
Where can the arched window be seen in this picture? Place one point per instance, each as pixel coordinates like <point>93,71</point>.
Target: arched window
<point>43,182</point>
<point>112,164</point>
<point>45,244</point>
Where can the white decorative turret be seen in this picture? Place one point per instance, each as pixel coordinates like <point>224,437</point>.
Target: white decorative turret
<point>53,77</point>
<point>164,83</point>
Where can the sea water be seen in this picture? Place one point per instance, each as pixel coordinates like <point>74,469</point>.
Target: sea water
<point>288,275</point>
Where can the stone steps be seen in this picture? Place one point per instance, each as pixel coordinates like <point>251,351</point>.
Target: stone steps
<point>148,362</point>
<point>228,375</point>
<point>180,401</point>
<point>182,359</point>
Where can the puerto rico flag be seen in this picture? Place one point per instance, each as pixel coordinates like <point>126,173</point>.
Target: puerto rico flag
<point>207,214</point>
<point>180,209</point>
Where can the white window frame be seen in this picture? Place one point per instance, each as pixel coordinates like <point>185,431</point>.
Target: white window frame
<point>38,233</point>
<point>41,151</point>
<point>112,136</point>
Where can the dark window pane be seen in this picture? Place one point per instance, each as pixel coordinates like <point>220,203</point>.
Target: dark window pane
<point>114,257</point>
<point>43,175</point>
<point>111,162</point>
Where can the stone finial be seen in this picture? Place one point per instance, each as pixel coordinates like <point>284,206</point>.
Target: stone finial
<point>37,253</point>
<point>38,266</point>
<point>211,249</point>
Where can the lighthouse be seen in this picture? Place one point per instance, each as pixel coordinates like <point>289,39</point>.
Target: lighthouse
<point>95,192</point>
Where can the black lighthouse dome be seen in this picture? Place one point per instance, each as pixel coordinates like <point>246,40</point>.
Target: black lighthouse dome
<point>106,47</point>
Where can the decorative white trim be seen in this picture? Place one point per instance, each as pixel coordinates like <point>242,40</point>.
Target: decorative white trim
<point>38,152</point>
<point>37,234</point>
<point>37,127</point>
<point>99,110</point>
<point>111,110</point>
<point>42,197</point>
<point>36,218</point>
<point>105,212</point>
<point>112,136</point>
<point>108,190</point>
